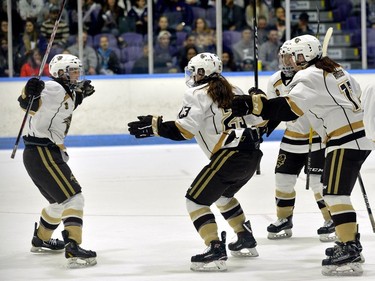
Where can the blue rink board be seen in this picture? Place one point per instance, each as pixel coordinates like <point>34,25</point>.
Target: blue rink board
<point>117,140</point>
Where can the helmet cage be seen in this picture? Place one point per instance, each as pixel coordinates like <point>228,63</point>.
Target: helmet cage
<point>202,67</point>
<point>67,67</point>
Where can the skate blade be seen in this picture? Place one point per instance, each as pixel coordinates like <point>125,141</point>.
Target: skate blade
<point>286,233</point>
<point>349,269</point>
<point>211,266</point>
<point>245,253</point>
<point>80,263</point>
<point>42,250</point>
<point>331,237</point>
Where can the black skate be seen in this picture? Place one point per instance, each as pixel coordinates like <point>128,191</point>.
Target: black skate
<point>280,229</point>
<point>213,259</point>
<point>330,251</point>
<point>327,232</point>
<point>50,246</point>
<point>245,244</point>
<point>345,260</point>
<point>77,257</point>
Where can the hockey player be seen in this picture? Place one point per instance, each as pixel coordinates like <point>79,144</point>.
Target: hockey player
<point>323,88</point>
<point>293,156</point>
<point>368,101</point>
<point>45,157</point>
<point>231,146</point>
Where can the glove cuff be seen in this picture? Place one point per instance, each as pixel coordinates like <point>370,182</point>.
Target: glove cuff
<point>155,125</point>
<point>257,104</point>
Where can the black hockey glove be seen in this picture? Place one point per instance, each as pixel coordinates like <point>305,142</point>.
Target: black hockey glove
<point>147,126</point>
<point>242,105</point>
<point>258,98</point>
<point>85,88</point>
<point>34,88</point>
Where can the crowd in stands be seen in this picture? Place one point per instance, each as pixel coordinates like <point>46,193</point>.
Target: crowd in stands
<point>115,34</point>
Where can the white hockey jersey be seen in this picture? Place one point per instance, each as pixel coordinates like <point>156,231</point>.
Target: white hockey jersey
<point>52,119</point>
<point>297,132</point>
<point>368,105</point>
<point>332,98</point>
<point>201,118</point>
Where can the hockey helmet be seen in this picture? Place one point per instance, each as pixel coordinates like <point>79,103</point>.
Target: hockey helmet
<point>67,67</point>
<point>305,50</point>
<point>202,67</point>
<point>285,64</point>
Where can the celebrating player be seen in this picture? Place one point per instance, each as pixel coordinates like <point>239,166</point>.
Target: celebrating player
<point>323,88</point>
<point>293,156</point>
<point>232,147</point>
<point>45,157</point>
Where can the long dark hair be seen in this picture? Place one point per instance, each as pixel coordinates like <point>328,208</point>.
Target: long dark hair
<point>220,91</point>
<point>327,65</point>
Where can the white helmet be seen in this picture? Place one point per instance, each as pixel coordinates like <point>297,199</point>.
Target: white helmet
<point>284,60</point>
<point>307,46</point>
<point>61,65</point>
<point>204,65</point>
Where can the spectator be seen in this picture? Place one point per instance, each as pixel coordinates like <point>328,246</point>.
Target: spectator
<point>189,51</point>
<point>92,17</point>
<point>243,48</point>
<point>262,10</point>
<point>279,22</point>
<point>62,33</point>
<point>247,64</point>
<point>138,15</point>
<point>4,66</point>
<point>229,64</point>
<point>164,54</point>
<point>269,52</point>
<point>141,65</point>
<point>163,25</point>
<point>44,13</point>
<point>108,62</point>
<point>302,27</point>
<point>263,30</point>
<point>30,9</point>
<point>205,36</point>
<point>32,66</point>
<point>180,15</point>
<point>233,16</point>
<point>111,17</point>
<point>90,59</point>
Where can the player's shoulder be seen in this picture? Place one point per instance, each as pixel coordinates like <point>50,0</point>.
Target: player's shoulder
<point>52,86</point>
<point>276,76</point>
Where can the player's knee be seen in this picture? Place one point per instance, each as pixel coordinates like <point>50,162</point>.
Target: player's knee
<point>192,206</point>
<point>315,183</point>
<point>76,202</point>
<point>222,201</point>
<point>54,210</point>
<point>285,182</point>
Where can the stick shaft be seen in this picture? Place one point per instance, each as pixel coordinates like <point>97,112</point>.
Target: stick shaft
<point>48,50</point>
<point>367,203</point>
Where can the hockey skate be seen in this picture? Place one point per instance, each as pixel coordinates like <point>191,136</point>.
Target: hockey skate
<point>280,229</point>
<point>327,232</point>
<point>245,244</point>
<point>345,260</point>
<point>213,259</point>
<point>50,246</point>
<point>76,256</point>
<point>330,251</point>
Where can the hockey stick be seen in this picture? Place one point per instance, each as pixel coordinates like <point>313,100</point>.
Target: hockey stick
<point>366,202</point>
<point>256,85</point>
<point>309,160</point>
<point>327,37</point>
<point>48,50</point>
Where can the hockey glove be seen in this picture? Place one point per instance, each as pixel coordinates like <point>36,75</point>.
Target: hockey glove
<point>242,105</point>
<point>34,88</point>
<point>147,126</point>
<point>85,88</point>
<point>258,98</point>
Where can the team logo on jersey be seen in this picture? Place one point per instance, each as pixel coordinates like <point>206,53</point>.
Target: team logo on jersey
<point>280,160</point>
<point>184,112</point>
<point>66,106</point>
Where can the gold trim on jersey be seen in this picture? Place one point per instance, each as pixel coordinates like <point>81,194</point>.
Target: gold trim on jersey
<point>278,83</point>
<point>294,107</point>
<point>210,173</point>
<point>51,163</point>
<point>344,130</point>
<point>185,133</point>
<point>219,144</point>
<point>335,172</point>
<point>297,135</point>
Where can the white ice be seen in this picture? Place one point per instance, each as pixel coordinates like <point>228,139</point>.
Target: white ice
<point>135,218</point>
